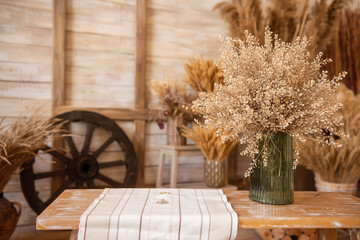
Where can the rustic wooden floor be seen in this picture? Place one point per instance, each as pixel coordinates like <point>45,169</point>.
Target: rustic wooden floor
<point>30,233</point>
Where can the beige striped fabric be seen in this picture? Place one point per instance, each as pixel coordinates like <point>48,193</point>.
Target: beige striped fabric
<point>155,213</point>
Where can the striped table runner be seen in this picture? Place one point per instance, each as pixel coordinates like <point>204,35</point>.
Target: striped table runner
<point>136,213</point>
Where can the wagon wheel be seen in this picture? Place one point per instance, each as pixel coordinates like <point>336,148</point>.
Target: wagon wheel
<point>81,167</point>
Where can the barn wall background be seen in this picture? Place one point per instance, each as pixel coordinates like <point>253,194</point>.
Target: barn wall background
<point>100,64</point>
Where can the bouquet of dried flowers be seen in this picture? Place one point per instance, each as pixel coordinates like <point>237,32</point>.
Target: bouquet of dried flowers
<point>210,144</point>
<point>172,101</point>
<point>20,140</point>
<point>270,88</point>
<point>339,165</point>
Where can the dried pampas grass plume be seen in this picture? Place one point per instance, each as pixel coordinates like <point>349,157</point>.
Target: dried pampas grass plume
<point>210,144</point>
<point>20,140</point>
<point>202,74</point>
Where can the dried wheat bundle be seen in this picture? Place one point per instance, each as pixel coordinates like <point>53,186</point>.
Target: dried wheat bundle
<point>20,140</point>
<point>210,144</point>
<point>270,88</point>
<point>321,23</point>
<point>287,18</point>
<point>242,15</point>
<point>202,74</point>
<point>339,165</point>
<point>345,49</point>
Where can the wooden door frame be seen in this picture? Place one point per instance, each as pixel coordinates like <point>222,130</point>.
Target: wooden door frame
<point>139,113</point>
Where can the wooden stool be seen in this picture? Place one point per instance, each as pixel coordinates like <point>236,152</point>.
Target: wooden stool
<point>174,152</point>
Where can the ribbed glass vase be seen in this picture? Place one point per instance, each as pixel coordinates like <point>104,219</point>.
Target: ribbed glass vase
<point>274,183</point>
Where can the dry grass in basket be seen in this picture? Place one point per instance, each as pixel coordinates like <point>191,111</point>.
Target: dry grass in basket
<point>339,165</point>
<point>19,141</point>
<point>209,143</point>
<point>202,74</point>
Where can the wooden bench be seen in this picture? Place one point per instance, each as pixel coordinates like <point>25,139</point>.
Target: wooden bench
<point>318,210</point>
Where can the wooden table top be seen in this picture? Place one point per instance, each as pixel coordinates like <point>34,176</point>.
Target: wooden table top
<point>309,210</point>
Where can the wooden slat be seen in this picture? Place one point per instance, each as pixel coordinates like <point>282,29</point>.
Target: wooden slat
<point>23,90</point>
<point>11,15</point>
<point>59,16</point>
<point>140,58</point>
<point>38,18</point>
<point>113,113</point>
<point>81,23</point>
<point>100,43</point>
<point>25,54</point>
<point>38,4</point>
<point>25,72</point>
<point>25,35</point>
<point>139,146</point>
<point>140,85</point>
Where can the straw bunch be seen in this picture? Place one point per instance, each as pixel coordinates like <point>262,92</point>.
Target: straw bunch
<point>287,18</point>
<point>339,165</point>
<point>20,140</point>
<point>202,74</point>
<point>210,144</point>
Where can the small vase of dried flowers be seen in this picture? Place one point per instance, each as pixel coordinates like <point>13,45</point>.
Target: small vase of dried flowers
<point>215,152</point>
<point>271,93</point>
<point>171,107</point>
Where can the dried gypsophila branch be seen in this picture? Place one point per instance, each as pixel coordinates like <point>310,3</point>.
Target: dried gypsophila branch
<point>270,88</point>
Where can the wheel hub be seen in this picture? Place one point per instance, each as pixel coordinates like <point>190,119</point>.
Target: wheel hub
<point>83,168</point>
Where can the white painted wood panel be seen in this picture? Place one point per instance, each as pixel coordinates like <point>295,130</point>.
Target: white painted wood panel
<point>25,72</point>
<point>38,18</point>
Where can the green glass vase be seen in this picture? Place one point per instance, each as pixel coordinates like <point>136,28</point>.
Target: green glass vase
<point>274,183</point>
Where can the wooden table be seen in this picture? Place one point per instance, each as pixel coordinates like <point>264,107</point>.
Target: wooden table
<point>323,211</point>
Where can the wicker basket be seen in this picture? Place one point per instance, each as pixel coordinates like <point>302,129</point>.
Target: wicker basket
<point>324,186</point>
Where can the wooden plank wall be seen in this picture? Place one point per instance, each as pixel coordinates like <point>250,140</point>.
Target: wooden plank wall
<point>100,63</point>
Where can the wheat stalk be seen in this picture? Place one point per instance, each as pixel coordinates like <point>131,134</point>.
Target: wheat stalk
<point>202,74</point>
<point>210,144</point>
<point>287,18</point>
<point>20,140</point>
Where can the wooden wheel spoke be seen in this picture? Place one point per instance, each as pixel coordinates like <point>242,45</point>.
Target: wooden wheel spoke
<point>103,146</point>
<point>70,142</point>
<point>112,164</point>
<point>109,181</point>
<point>65,185</point>
<point>56,154</point>
<point>49,174</point>
<point>89,133</point>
